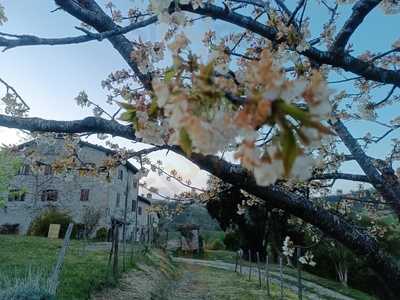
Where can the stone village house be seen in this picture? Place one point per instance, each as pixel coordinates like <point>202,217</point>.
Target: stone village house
<point>35,189</point>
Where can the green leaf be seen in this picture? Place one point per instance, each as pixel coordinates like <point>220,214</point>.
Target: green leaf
<point>295,112</point>
<point>185,141</point>
<point>169,74</point>
<point>127,106</point>
<point>289,150</point>
<point>153,111</point>
<point>128,116</point>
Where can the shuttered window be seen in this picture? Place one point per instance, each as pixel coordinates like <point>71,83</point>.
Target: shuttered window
<point>50,195</point>
<point>84,194</point>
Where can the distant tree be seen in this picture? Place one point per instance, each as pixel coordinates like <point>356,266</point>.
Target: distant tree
<point>90,219</point>
<point>9,166</point>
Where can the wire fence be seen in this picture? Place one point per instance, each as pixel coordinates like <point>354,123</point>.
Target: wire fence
<point>254,267</point>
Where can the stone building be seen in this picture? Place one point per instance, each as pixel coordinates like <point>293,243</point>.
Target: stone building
<point>87,188</point>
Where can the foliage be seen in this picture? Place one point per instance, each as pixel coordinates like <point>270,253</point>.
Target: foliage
<point>216,245</point>
<point>211,235</point>
<point>232,240</point>
<point>338,263</point>
<point>90,219</point>
<point>9,165</point>
<point>101,234</point>
<point>3,17</point>
<point>40,225</point>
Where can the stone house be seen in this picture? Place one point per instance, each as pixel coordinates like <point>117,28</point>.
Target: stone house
<point>77,191</point>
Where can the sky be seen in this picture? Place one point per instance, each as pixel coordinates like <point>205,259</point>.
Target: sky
<point>49,77</point>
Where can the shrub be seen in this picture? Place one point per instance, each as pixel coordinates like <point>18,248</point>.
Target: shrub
<point>40,225</point>
<point>216,245</point>
<point>232,240</point>
<point>101,234</point>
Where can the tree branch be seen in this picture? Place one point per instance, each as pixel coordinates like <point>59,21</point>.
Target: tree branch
<point>345,61</point>
<point>278,197</point>
<point>360,10</point>
<point>89,124</point>
<point>91,14</point>
<point>386,183</point>
<point>32,40</point>
<point>343,176</point>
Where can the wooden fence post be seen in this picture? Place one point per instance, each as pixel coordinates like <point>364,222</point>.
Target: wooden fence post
<point>112,245</point>
<point>267,275</point>
<point>123,246</point>
<point>60,261</point>
<point>259,270</point>
<point>116,241</point>
<point>240,260</point>
<point>237,260</point>
<point>300,287</point>
<point>281,274</point>
<point>249,265</point>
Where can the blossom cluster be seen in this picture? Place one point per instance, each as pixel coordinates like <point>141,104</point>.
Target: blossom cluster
<point>288,247</point>
<point>194,106</point>
<point>308,259</point>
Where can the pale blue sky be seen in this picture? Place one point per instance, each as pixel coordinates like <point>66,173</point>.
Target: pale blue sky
<point>49,78</point>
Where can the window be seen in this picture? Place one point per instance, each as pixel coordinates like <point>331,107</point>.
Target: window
<point>16,195</point>
<point>118,200</point>
<point>48,170</point>
<point>120,174</point>
<point>85,195</point>
<point>133,205</point>
<point>139,210</point>
<point>49,195</point>
<point>24,170</point>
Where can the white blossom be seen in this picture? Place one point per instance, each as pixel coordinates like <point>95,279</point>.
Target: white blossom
<point>308,259</point>
<point>288,247</point>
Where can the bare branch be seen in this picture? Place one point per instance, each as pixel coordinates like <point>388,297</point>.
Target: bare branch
<point>345,61</point>
<point>10,88</point>
<point>375,105</point>
<point>386,183</point>
<point>89,124</point>
<point>31,40</point>
<point>360,10</point>
<point>92,14</point>
<point>343,176</point>
<point>294,13</point>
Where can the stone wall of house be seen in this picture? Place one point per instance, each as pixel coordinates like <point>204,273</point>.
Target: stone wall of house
<point>107,195</point>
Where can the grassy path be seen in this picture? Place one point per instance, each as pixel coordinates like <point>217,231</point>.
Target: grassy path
<point>199,282</point>
<point>311,289</point>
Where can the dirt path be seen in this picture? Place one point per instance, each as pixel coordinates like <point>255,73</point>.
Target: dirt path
<point>311,290</point>
<point>190,286</point>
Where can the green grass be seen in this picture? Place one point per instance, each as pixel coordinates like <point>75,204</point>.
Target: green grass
<point>330,284</point>
<point>222,255</point>
<point>230,257</point>
<point>227,285</point>
<point>80,275</point>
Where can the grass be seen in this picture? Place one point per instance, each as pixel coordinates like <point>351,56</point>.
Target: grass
<point>224,285</point>
<point>150,278</point>
<point>230,257</point>
<point>81,274</point>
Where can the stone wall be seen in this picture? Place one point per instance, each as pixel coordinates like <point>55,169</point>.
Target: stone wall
<point>103,193</point>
